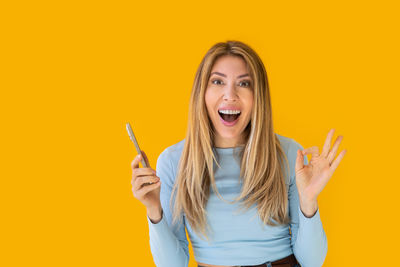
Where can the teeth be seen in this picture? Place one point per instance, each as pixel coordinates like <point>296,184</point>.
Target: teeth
<point>230,111</point>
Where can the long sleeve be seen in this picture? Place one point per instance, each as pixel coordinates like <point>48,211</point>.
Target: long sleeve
<point>309,242</point>
<point>168,244</point>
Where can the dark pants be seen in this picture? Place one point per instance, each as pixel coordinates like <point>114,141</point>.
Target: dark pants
<point>289,261</point>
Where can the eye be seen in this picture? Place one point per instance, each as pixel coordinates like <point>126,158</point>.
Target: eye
<point>246,82</point>
<point>216,80</point>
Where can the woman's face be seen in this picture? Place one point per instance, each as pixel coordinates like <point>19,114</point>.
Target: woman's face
<point>229,88</point>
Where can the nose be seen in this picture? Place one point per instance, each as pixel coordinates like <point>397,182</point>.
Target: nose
<point>230,92</point>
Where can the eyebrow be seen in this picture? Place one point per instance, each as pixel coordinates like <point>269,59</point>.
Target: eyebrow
<point>223,75</point>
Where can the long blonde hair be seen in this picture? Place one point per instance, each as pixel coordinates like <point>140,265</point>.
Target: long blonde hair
<point>261,157</point>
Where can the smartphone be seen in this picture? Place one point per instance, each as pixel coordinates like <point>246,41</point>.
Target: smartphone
<point>133,138</point>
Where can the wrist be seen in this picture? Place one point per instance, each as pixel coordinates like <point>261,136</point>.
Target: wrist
<point>155,214</point>
<point>309,207</point>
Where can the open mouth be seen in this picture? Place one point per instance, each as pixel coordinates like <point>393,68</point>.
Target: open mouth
<point>229,117</point>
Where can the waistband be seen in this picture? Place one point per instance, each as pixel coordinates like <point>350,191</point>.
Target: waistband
<point>289,261</point>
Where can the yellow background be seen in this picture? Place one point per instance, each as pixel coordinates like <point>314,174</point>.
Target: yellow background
<point>74,72</point>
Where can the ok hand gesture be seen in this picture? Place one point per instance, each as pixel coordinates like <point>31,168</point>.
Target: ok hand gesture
<point>312,178</point>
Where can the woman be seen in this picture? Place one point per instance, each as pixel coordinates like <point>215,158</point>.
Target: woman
<point>243,192</point>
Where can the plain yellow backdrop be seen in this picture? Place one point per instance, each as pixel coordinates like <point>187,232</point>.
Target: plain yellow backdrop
<point>73,73</point>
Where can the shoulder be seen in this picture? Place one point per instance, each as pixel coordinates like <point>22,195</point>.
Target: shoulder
<point>167,162</point>
<point>172,152</point>
<point>290,146</point>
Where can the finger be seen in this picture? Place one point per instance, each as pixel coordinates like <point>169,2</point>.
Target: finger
<point>335,147</point>
<point>327,145</point>
<point>299,161</point>
<point>143,171</point>
<point>135,161</point>
<point>336,162</point>
<point>143,191</point>
<point>139,172</point>
<point>311,150</point>
<point>141,181</point>
<point>145,158</point>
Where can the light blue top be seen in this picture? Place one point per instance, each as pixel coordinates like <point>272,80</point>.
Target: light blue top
<point>237,238</point>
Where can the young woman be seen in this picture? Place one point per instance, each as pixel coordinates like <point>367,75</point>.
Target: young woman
<point>246,195</point>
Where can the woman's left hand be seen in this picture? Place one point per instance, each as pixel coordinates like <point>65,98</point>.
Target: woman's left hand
<point>312,178</point>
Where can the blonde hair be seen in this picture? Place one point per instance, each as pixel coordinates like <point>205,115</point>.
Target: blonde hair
<point>261,156</point>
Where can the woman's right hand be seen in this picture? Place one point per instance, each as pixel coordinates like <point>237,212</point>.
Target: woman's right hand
<point>145,184</point>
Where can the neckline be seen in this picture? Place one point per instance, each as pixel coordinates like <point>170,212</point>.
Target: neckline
<point>228,150</point>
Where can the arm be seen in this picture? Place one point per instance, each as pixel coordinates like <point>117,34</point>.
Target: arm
<point>169,245</point>
<point>309,242</point>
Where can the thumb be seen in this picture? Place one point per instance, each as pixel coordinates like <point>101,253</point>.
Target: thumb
<point>299,160</point>
<point>146,159</point>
